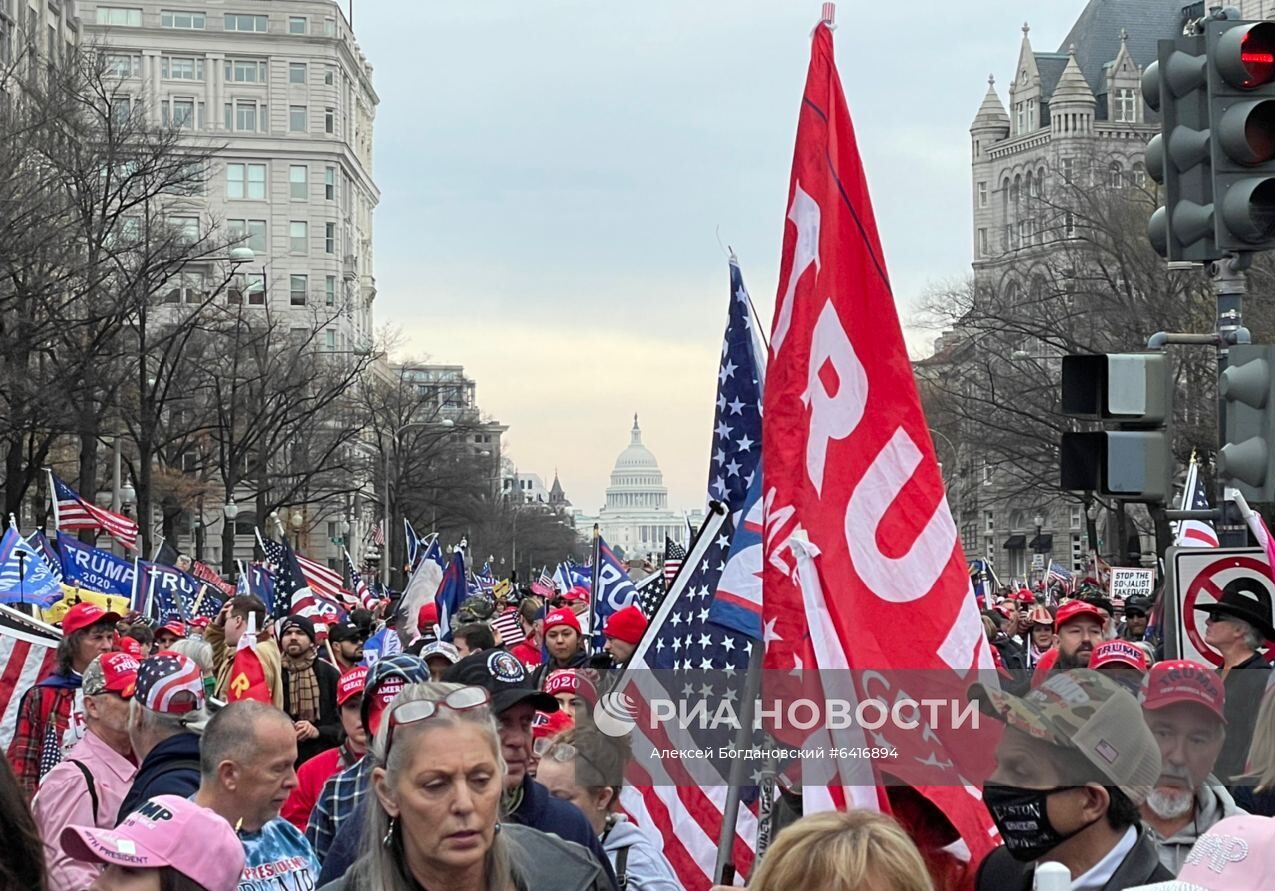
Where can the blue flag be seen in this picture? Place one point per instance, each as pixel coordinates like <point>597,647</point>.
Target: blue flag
<point>46,550</point>
<point>435,553</point>
<point>165,592</point>
<point>690,638</point>
<point>258,581</point>
<point>381,645</point>
<point>451,593</point>
<point>416,546</point>
<point>614,591</point>
<point>24,576</point>
<point>737,603</point>
<point>94,569</point>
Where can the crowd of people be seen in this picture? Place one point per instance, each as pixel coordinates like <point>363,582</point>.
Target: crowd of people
<point>471,764</point>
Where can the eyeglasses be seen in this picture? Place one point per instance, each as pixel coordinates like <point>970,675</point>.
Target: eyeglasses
<point>562,752</point>
<point>461,700</point>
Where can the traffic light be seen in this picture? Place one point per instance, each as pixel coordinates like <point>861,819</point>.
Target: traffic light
<point>1176,85</point>
<point>1244,460</point>
<point>1134,393</point>
<point>1241,80</point>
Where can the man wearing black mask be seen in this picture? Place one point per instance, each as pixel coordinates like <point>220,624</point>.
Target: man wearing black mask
<point>1075,762</point>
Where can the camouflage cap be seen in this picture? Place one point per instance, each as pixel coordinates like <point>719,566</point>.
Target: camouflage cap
<point>1089,712</point>
<point>474,609</point>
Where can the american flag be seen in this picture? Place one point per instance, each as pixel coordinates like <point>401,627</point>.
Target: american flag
<point>361,590</point>
<point>674,554</point>
<point>687,817</point>
<point>1195,533</point>
<point>507,624</point>
<point>28,652</point>
<point>323,582</point>
<point>651,591</point>
<point>207,602</point>
<point>376,535</point>
<point>73,513</point>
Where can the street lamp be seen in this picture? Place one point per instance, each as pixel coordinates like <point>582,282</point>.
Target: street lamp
<point>128,495</point>
<point>230,510</point>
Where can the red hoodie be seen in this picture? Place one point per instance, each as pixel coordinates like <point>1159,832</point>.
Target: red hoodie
<point>310,779</point>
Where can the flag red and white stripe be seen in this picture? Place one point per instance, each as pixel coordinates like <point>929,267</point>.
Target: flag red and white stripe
<point>326,582</point>
<point>507,624</point>
<point>72,513</point>
<point>28,653</point>
<point>864,567</point>
<point>1195,533</point>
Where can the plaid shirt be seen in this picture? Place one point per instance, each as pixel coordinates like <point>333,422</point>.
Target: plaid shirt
<point>340,795</point>
<point>36,747</point>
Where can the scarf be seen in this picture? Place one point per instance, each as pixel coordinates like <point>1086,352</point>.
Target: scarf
<point>303,686</point>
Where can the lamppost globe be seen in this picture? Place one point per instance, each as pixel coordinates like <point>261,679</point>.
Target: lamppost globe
<point>241,255</point>
<point>345,526</point>
<point>128,495</point>
<point>230,510</point>
<point>298,520</point>
<point>1040,521</point>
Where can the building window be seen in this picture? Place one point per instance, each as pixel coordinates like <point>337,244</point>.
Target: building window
<point>246,181</point>
<point>329,183</point>
<point>296,72</point>
<point>1115,175</point>
<point>1069,224</point>
<point>982,194</point>
<point>329,290</point>
<point>119,17</point>
<point>329,75</point>
<point>1031,114</point>
<point>121,110</point>
<point>187,228</point>
<point>246,71</point>
<point>329,120</point>
<point>329,339</point>
<point>258,24</point>
<point>181,68</point>
<point>252,233</point>
<point>245,116</point>
<point>183,21</point>
<point>329,238</point>
<point>298,232</point>
<point>297,119</point>
<point>252,290</point>
<point>297,287</point>
<point>982,242</point>
<point>122,65</point>
<point>329,27</point>
<point>299,182</point>
<point>1126,106</point>
<point>1140,175</point>
<point>1068,168</point>
<point>178,113</point>
<point>296,24</point>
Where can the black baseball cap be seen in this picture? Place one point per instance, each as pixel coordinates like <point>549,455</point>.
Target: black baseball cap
<point>346,630</point>
<point>1137,606</point>
<point>502,675</point>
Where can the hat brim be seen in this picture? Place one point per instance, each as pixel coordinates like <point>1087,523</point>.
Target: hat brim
<point>1258,621</point>
<point>1158,702</point>
<point>507,699</point>
<point>103,846</point>
<point>1015,712</point>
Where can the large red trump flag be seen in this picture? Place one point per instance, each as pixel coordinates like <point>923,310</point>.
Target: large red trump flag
<point>864,568</point>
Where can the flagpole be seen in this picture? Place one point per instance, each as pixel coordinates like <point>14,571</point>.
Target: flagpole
<point>724,870</point>
<point>593,591</point>
<point>53,501</point>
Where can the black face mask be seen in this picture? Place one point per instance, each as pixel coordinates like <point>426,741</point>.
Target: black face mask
<point>1022,817</point>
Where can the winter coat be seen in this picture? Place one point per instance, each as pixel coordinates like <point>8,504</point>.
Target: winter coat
<point>171,768</point>
<point>224,660</point>
<point>542,862</point>
<point>329,723</point>
<point>43,718</point>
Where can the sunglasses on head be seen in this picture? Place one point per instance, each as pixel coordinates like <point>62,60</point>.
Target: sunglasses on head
<point>461,700</point>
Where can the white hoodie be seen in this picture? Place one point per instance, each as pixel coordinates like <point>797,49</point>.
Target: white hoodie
<point>646,868</point>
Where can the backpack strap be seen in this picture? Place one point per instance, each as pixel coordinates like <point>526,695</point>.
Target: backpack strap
<point>88,778</point>
<point>622,867</point>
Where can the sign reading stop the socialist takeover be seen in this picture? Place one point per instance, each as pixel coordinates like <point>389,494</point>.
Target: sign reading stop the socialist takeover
<point>1198,576</point>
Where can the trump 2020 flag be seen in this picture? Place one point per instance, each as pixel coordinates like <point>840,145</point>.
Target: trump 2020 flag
<point>247,675</point>
<point>612,592</point>
<point>863,565</point>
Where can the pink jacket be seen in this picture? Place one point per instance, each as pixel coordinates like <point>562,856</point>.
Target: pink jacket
<point>64,800</point>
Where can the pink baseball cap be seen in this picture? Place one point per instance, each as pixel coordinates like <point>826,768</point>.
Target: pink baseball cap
<point>1237,854</point>
<point>164,832</point>
<point>1181,680</point>
<point>1123,653</point>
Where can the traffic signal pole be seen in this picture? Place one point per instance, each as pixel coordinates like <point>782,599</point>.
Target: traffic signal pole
<point>1229,286</point>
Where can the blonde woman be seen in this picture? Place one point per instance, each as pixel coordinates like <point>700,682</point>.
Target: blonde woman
<point>833,851</point>
<point>433,808</point>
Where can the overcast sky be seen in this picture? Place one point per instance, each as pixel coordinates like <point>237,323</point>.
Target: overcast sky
<point>553,175</point>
